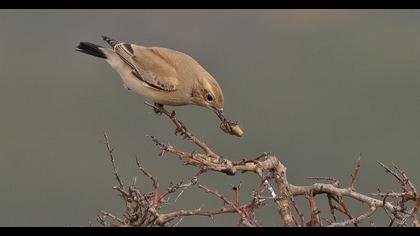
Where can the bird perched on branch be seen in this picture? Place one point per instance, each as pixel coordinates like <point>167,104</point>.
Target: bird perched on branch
<point>165,76</point>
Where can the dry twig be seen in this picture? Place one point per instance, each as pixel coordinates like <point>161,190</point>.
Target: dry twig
<point>144,209</point>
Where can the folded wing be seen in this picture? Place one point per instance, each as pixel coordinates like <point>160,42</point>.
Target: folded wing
<point>149,66</point>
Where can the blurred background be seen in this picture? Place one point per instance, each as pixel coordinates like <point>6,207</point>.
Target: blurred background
<point>318,88</point>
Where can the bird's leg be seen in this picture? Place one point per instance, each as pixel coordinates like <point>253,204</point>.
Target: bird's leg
<point>158,108</point>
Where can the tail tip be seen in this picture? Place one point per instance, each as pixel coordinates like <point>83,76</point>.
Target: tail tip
<point>91,49</point>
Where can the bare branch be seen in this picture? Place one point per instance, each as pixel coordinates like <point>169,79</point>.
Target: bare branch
<point>314,210</point>
<point>416,221</point>
<point>154,181</point>
<point>358,219</point>
<point>319,188</point>
<point>145,208</point>
<point>334,181</point>
<point>388,170</point>
<point>180,128</point>
<point>300,214</point>
<point>245,218</point>
<point>355,173</point>
<point>111,156</point>
<point>332,207</point>
<point>341,207</point>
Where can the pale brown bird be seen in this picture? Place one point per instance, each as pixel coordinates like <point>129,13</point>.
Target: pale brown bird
<point>165,76</point>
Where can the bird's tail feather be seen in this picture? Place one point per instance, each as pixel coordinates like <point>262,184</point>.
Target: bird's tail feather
<point>91,49</point>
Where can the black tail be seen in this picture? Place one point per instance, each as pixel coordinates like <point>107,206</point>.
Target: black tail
<point>91,49</point>
<point>110,41</point>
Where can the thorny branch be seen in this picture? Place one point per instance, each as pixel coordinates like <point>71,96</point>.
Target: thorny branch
<point>144,208</point>
<point>355,173</point>
<point>111,156</point>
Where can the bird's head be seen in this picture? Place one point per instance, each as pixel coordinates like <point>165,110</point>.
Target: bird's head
<point>207,93</point>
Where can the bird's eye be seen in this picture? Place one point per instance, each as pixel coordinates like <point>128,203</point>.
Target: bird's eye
<point>209,97</point>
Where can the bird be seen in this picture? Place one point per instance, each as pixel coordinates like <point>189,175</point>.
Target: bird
<point>162,75</point>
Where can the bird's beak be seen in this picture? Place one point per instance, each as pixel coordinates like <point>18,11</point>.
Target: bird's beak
<point>219,113</point>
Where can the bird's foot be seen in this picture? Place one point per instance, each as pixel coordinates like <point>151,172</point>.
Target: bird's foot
<point>158,108</point>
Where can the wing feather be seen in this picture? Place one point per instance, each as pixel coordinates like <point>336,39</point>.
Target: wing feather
<point>149,66</point>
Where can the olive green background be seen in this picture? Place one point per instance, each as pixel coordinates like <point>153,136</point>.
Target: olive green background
<point>318,88</point>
